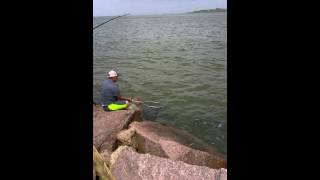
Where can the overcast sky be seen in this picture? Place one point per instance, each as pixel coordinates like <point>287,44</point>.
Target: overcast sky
<point>140,7</point>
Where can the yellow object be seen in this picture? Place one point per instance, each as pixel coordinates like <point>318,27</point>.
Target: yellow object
<point>100,166</point>
<point>114,107</point>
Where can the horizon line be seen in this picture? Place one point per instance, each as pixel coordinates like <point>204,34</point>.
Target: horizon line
<point>157,13</point>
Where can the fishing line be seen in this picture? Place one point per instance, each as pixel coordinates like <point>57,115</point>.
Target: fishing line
<point>108,21</point>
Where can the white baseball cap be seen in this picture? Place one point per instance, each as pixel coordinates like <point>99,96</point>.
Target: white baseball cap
<point>112,73</point>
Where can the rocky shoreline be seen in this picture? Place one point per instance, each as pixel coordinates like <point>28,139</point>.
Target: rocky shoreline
<point>133,148</point>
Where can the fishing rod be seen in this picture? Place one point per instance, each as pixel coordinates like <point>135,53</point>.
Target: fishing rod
<point>138,101</point>
<point>103,24</point>
<point>146,103</point>
<point>108,21</point>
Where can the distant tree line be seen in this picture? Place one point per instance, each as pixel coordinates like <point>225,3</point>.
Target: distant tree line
<point>210,10</point>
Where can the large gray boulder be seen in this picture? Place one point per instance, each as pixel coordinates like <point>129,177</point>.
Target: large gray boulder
<point>168,142</point>
<point>128,164</point>
<point>106,126</point>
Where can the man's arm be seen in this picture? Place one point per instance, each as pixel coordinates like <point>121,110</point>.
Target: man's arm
<point>124,98</point>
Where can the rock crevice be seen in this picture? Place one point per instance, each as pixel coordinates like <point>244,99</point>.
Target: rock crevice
<point>136,149</point>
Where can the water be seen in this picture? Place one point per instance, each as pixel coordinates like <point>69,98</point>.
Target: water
<point>178,60</point>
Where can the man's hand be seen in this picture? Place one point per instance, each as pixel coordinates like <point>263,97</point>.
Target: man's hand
<point>126,99</point>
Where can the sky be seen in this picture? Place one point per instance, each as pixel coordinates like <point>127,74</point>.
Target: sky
<point>142,7</point>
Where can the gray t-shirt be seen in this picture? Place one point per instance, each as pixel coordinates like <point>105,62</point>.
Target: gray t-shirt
<point>109,92</point>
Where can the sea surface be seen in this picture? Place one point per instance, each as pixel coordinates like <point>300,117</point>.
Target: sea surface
<point>176,61</point>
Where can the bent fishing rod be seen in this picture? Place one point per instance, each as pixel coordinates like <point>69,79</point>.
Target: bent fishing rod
<point>146,103</point>
<point>108,21</point>
<point>103,24</point>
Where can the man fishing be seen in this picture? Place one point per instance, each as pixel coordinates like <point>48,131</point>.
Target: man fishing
<point>110,99</point>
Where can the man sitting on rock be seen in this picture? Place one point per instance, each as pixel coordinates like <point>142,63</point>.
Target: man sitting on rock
<point>110,99</point>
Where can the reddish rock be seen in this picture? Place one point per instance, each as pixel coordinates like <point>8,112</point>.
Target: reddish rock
<point>134,166</point>
<point>164,141</point>
<point>106,125</point>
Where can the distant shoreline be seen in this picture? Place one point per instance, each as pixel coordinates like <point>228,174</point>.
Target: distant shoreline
<point>159,14</point>
<point>210,10</point>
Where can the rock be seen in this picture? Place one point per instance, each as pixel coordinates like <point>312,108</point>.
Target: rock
<point>106,154</point>
<point>128,164</point>
<point>165,141</point>
<point>126,137</point>
<point>106,125</point>
<point>117,152</point>
<point>134,107</point>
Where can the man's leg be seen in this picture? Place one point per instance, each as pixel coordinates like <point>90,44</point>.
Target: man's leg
<point>115,107</point>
